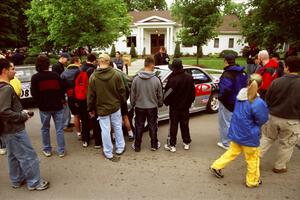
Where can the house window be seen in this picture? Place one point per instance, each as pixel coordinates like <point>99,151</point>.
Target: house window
<point>231,42</point>
<point>216,43</point>
<point>130,40</point>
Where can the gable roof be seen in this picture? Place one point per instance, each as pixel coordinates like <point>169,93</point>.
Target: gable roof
<point>230,23</point>
<point>140,15</point>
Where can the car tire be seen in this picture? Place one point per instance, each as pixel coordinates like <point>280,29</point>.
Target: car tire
<point>213,103</point>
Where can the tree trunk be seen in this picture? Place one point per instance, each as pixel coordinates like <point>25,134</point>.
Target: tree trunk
<point>197,55</point>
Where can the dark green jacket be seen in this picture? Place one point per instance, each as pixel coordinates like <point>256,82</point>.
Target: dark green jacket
<point>106,91</point>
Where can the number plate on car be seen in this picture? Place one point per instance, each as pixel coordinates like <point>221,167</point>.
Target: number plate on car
<point>25,91</point>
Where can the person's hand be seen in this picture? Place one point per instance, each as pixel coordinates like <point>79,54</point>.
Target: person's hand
<point>92,114</point>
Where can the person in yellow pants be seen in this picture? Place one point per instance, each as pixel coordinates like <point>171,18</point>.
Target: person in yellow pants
<point>249,115</point>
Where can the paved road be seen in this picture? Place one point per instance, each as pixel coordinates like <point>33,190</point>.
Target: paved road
<point>85,174</point>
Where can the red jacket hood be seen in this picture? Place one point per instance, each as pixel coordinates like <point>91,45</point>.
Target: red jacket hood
<point>272,63</point>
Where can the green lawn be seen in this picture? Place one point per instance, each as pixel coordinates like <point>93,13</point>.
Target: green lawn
<point>215,63</point>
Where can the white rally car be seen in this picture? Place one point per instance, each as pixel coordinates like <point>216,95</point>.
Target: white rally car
<point>24,74</point>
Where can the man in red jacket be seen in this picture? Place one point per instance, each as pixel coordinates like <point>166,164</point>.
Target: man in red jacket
<point>268,71</point>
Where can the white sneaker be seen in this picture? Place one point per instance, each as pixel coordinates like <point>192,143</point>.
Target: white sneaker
<point>3,151</point>
<point>186,146</point>
<point>47,153</point>
<point>85,144</point>
<point>220,144</point>
<point>79,135</point>
<point>170,148</point>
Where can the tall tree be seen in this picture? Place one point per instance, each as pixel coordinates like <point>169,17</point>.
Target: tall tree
<point>142,5</point>
<point>13,32</point>
<point>272,22</point>
<point>76,23</point>
<point>199,19</point>
<point>233,8</point>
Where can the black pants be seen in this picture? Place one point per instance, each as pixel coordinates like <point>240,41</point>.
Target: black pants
<point>140,117</point>
<point>96,131</point>
<point>85,121</point>
<point>182,117</point>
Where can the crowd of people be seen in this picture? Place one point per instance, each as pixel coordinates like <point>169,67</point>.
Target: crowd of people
<point>255,109</point>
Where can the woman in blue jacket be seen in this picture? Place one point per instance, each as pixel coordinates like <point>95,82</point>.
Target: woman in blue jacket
<point>249,114</point>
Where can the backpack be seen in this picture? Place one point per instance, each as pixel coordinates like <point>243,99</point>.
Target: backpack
<point>81,85</point>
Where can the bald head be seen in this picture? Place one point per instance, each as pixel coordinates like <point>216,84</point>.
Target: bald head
<point>263,56</point>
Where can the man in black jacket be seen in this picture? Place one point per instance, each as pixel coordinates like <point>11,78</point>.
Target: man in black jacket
<point>283,99</point>
<point>62,62</point>
<point>23,162</point>
<point>47,85</point>
<point>161,57</point>
<point>179,95</point>
<point>59,68</point>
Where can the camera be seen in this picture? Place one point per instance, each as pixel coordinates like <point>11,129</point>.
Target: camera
<point>30,113</point>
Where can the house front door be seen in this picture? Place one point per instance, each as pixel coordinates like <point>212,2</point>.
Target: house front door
<point>156,42</point>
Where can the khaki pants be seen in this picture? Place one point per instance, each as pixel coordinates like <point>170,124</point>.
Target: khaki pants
<point>251,157</point>
<point>287,131</point>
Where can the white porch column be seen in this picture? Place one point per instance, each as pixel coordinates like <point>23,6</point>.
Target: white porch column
<point>138,41</point>
<point>171,52</point>
<point>142,41</point>
<point>167,43</point>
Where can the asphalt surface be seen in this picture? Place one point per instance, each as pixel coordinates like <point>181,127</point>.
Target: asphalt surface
<point>85,174</point>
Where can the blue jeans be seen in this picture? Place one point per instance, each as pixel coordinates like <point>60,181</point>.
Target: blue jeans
<point>23,163</point>
<point>59,126</point>
<point>114,119</point>
<point>224,123</point>
<point>67,116</point>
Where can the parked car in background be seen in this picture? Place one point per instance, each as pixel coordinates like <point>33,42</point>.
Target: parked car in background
<point>206,89</point>
<point>24,74</point>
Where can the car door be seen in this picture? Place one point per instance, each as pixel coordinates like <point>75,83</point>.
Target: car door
<point>203,89</point>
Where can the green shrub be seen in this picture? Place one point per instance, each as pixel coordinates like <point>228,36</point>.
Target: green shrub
<point>30,60</point>
<point>113,51</point>
<point>225,52</point>
<point>177,53</point>
<point>133,51</point>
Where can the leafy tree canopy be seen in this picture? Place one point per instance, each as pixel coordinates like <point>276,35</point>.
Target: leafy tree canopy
<point>272,22</point>
<point>55,23</point>
<point>199,19</point>
<point>13,32</point>
<point>142,5</point>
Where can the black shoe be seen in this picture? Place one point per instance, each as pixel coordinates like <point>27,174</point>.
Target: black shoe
<point>130,138</point>
<point>114,159</point>
<point>217,173</point>
<point>134,148</point>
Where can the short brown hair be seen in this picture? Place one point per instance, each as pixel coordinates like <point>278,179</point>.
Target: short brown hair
<point>74,59</point>
<point>42,63</point>
<point>293,63</point>
<point>149,60</point>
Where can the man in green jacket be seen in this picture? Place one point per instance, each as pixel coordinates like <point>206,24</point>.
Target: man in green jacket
<point>106,92</point>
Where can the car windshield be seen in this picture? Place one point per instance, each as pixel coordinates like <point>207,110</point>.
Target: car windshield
<point>161,73</point>
<point>25,74</point>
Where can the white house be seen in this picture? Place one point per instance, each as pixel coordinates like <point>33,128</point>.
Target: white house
<point>152,29</point>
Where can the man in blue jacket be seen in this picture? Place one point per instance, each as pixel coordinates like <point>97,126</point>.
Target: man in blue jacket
<point>229,88</point>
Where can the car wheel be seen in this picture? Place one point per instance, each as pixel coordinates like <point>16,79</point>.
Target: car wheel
<point>213,103</point>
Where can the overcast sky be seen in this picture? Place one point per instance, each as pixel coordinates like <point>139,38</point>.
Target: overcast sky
<point>169,2</point>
